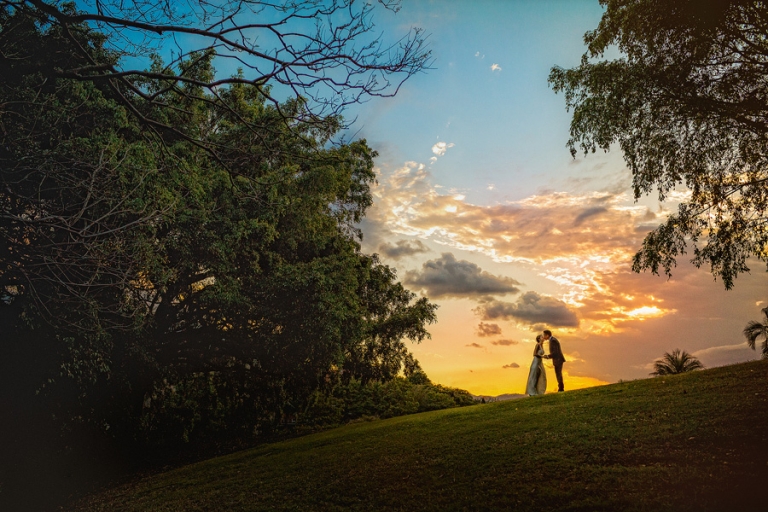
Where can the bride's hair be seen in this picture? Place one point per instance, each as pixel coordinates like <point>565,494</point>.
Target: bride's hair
<point>538,338</point>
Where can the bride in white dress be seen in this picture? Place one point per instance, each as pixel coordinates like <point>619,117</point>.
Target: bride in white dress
<point>537,377</point>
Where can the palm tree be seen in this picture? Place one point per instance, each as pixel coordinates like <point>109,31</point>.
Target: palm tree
<point>755,330</point>
<point>676,362</point>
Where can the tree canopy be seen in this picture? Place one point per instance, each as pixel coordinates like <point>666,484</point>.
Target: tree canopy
<point>687,103</point>
<point>325,54</point>
<point>187,291</point>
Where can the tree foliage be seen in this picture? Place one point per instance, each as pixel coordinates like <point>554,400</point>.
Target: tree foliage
<point>676,362</point>
<point>191,294</point>
<point>324,53</point>
<point>687,104</point>
<point>356,400</point>
<point>756,330</point>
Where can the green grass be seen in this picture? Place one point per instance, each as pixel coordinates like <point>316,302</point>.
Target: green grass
<point>691,442</point>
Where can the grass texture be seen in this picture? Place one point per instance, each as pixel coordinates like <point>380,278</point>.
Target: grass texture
<point>697,441</point>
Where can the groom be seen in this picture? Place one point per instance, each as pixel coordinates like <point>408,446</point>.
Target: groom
<point>557,357</point>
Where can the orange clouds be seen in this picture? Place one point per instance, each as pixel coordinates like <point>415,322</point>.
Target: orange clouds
<point>581,243</point>
<point>565,260</point>
<point>558,227</point>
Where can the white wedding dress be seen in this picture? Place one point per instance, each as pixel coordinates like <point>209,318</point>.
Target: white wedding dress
<point>537,377</point>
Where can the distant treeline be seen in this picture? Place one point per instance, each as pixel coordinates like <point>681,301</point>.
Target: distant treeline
<point>397,397</point>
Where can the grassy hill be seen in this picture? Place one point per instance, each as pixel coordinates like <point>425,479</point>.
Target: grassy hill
<point>691,442</point>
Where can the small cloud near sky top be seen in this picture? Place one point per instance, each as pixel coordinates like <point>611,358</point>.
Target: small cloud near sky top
<point>440,148</point>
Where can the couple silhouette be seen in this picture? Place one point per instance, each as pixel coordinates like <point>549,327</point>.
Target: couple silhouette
<point>537,377</point>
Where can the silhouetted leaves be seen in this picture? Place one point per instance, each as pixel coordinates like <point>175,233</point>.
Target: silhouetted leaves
<point>687,103</point>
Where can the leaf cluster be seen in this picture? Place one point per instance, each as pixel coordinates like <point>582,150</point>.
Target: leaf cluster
<point>687,104</point>
<point>213,270</point>
<point>356,400</point>
<point>322,53</point>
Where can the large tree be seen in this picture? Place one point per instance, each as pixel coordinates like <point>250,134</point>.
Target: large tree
<point>189,291</point>
<point>325,52</point>
<point>687,103</point>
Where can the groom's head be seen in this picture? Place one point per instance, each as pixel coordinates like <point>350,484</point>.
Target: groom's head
<point>547,334</point>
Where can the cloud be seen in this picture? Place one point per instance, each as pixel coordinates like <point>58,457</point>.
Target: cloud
<point>484,329</point>
<point>726,354</point>
<point>596,228</point>
<point>402,248</point>
<point>449,277</point>
<point>495,67</point>
<point>504,343</point>
<point>583,243</point>
<point>587,213</point>
<point>440,148</point>
<point>531,308</point>
<point>475,345</point>
<point>511,365</point>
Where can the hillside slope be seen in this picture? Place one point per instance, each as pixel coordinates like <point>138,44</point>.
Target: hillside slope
<point>691,442</point>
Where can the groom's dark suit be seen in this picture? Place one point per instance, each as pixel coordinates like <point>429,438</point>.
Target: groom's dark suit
<point>557,357</point>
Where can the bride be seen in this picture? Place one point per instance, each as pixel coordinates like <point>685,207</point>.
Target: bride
<point>537,377</point>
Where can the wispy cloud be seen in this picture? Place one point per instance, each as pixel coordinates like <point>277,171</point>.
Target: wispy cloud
<point>474,345</point>
<point>584,243</point>
<point>402,248</point>
<point>511,365</point>
<point>559,227</point>
<point>449,277</point>
<point>504,343</point>
<point>588,213</point>
<point>725,354</point>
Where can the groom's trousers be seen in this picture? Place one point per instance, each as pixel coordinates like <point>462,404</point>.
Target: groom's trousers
<point>559,374</point>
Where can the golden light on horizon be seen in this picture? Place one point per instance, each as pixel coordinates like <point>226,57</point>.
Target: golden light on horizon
<point>497,381</point>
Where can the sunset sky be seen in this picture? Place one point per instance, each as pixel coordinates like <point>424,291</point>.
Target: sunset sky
<point>480,207</point>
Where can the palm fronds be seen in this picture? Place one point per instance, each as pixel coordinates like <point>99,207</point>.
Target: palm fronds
<point>679,361</point>
<point>755,330</point>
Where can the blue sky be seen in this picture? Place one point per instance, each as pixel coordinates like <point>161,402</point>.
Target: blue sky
<point>508,127</point>
<point>476,188</point>
<point>480,206</point>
